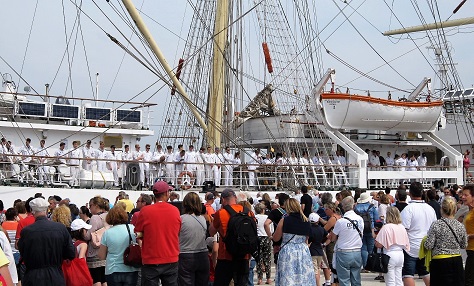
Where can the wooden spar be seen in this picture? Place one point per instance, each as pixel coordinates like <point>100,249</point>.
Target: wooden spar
<point>216,100</point>
<point>156,50</point>
<point>432,26</point>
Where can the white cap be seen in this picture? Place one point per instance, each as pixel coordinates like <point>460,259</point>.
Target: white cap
<point>39,205</point>
<point>314,217</point>
<point>78,224</point>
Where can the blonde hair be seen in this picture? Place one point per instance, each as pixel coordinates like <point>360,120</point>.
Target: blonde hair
<point>393,216</point>
<point>62,214</point>
<point>384,199</point>
<point>292,206</point>
<point>448,206</point>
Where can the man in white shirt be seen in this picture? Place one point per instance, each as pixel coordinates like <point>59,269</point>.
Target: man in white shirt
<point>255,160</point>
<point>200,171</point>
<point>88,153</point>
<point>208,160</point>
<point>190,160</point>
<point>112,165</point>
<point>422,160</point>
<point>417,218</point>
<point>75,156</point>
<point>412,163</point>
<point>374,160</point>
<point>389,161</point>
<point>147,157</point>
<point>401,162</point>
<point>228,167</point>
<point>126,156</point>
<point>25,152</point>
<point>216,168</point>
<point>60,154</point>
<point>101,156</point>
<point>170,168</point>
<point>348,233</point>
<point>158,158</point>
<point>43,171</point>
<point>138,156</point>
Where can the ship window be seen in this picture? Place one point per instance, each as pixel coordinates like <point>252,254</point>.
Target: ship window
<point>95,113</point>
<point>449,94</point>
<point>64,111</point>
<point>32,109</point>
<point>128,115</point>
<point>457,93</point>
<point>449,107</point>
<point>468,92</point>
<point>457,106</point>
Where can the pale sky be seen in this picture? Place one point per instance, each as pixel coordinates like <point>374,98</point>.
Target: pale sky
<point>39,60</point>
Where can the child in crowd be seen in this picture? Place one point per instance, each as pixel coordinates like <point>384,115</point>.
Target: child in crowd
<point>318,233</point>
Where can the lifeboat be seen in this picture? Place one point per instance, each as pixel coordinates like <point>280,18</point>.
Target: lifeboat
<point>350,111</point>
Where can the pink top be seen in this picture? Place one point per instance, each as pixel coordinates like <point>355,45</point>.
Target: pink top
<point>391,234</point>
<point>466,162</point>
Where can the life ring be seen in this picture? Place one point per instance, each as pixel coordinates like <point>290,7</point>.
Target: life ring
<point>180,180</point>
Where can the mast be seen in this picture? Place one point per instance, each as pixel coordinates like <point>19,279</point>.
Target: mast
<point>218,75</point>
<point>156,50</point>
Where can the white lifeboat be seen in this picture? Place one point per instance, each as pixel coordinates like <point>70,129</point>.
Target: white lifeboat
<point>349,111</point>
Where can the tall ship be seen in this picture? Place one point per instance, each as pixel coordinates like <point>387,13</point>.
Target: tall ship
<point>261,75</point>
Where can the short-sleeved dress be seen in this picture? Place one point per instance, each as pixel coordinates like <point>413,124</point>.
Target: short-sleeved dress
<point>295,266</point>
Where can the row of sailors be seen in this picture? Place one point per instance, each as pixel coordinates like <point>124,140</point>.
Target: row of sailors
<point>403,162</point>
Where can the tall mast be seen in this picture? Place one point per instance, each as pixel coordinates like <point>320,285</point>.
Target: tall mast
<point>216,97</point>
<point>156,50</point>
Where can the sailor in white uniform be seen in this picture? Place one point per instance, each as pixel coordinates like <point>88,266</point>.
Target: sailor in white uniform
<point>228,166</point>
<point>157,168</point>
<point>138,155</point>
<point>200,171</point>
<point>61,153</point>
<point>25,152</point>
<point>255,160</point>
<point>101,155</point>
<point>75,156</point>
<point>43,171</point>
<point>126,156</point>
<point>208,160</point>
<point>88,153</point>
<point>170,167</point>
<point>216,168</point>
<point>112,165</point>
<point>147,157</point>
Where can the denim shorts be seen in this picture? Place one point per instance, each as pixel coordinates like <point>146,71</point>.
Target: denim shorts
<point>412,265</point>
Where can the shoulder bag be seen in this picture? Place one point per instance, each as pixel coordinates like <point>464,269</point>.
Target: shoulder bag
<point>377,262</point>
<point>133,253</point>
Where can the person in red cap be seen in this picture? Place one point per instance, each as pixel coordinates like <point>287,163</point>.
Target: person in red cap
<point>158,226</point>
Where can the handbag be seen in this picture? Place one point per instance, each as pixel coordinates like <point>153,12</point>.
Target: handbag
<point>76,272</point>
<point>133,253</point>
<point>377,262</point>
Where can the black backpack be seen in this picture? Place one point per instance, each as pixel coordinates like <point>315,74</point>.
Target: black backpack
<point>367,220</point>
<point>241,237</point>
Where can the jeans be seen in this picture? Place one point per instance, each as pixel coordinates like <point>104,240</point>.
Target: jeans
<point>394,275</point>
<point>226,270</point>
<point>153,273</point>
<point>251,272</point>
<point>193,269</point>
<point>368,243</point>
<point>348,268</point>
<point>122,279</point>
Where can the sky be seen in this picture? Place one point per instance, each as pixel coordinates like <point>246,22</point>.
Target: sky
<point>34,43</point>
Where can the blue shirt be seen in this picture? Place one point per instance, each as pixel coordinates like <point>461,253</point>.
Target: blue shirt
<point>116,239</point>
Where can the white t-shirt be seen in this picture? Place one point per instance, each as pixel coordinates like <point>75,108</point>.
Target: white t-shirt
<point>348,236</point>
<point>261,218</point>
<point>417,218</point>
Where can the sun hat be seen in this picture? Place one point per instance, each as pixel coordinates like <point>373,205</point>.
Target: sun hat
<point>364,198</point>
